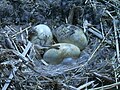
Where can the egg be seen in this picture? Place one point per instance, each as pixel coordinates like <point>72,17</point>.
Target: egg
<point>71,34</point>
<point>69,61</point>
<point>41,35</point>
<point>65,50</point>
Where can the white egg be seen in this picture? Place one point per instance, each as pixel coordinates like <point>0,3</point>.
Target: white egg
<point>69,61</point>
<point>71,34</point>
<point>42,35</point>
<point>65,50</point>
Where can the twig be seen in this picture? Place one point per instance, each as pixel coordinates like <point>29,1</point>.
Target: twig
<point>26,62</point>
<point>15,68</point>
<point>109,4</point>
<point>116,36</point>
<point>86,1</point>
<point>8,42</point>
<point>13,36</point>
<point>116,39</point>
<point>45,63</point>
<point>15,46</point>
<point>101,25</point>
<point>85,85</point>
<point>115,73</point>
<point>10,28</point>
<point>94,31</point>
<point>69,86</point>
<point>106,87</point>
<point>105,78</point>
<point>46,47</point>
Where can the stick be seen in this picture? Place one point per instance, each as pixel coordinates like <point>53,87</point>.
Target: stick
<point>15,68</point>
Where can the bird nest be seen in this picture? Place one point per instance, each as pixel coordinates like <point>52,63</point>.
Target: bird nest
<point>96,68</point>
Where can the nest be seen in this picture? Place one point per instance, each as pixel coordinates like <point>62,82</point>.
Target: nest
<point>96,68</point>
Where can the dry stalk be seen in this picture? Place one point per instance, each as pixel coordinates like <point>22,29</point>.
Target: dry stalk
<point>15,68</point>
<point>21,31</point>
<point>106,87</point>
